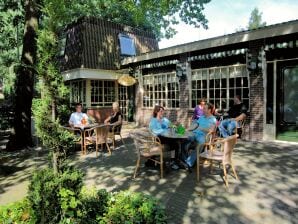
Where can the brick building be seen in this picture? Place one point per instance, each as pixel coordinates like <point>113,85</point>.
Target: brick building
<point>259,65</point>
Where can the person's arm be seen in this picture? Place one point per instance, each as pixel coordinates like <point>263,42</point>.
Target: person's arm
<point>240,117</point>
<point>71,120</point>
<point>195,112</point>
<point>119,121</point>
<point>107,120</point>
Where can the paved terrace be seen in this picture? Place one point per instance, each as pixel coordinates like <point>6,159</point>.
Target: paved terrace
<point>267,191</point>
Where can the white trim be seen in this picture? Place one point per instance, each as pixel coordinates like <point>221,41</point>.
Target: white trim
<point>84,73</point>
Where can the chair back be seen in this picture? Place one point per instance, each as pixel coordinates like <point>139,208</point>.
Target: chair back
<point>117,129</point>
<point>102,134</point>
<point>228,148</point>
<point>143,140</point>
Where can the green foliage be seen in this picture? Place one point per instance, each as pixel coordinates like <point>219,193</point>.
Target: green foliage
<point>255,20</point>
<point>55,197</point>
<point>94,204</point>
<point>127,207</point>
<point>17,212</point>
<point>61,199</point>
<point>11,30</point>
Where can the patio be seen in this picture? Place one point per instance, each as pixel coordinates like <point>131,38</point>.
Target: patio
<point>266,192</point>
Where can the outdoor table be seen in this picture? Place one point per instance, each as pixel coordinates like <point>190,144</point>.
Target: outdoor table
<point>84,130</point>
<point>179,138</point>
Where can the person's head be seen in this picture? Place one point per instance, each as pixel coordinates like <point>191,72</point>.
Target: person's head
<point>237,99</point>
<point>116,107</point>
<point>79,107</point>
<point>208,109</point>
<point>202,102</point>
<point>158,111</point>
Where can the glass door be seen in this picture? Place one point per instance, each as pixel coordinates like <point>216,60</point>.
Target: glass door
<point>287,101</point>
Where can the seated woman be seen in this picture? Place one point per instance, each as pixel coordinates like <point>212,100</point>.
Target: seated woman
<point>116,117</point>
<point>198,112</point>
<point>205,124</point>
<point>158,126</point>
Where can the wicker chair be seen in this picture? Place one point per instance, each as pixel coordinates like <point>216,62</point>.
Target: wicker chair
<point>147,146</point>
<point>223,156</point>
<point>115,130</point>
<point>98,136</point>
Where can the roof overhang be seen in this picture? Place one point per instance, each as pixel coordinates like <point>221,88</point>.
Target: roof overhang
<point>235,38</point>
<point>83,73</point>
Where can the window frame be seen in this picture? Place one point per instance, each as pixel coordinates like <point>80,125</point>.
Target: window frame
<point>219,87</point>
<point>101,91</point>
<point>159,90</point>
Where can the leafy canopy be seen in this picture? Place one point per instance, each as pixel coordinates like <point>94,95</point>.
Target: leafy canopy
<point>158,16</point>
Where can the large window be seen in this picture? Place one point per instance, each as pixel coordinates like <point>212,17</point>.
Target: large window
<point>219,85</point>
<point>161,89</point>
<point>78,92</point>
<point>102,93</point>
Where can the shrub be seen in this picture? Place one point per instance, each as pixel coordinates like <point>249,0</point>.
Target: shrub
<point>55,197</point>
<point>127,207</point>
<point>94,204</point>
<point>17,212</point>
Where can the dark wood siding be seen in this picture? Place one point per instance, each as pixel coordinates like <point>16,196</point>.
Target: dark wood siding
<point>93,43</point>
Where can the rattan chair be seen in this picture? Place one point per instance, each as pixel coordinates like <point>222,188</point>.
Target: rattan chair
<point>223,156</point>
<point>98,136</point>
<point>115,130</point>
<point>147,146</point>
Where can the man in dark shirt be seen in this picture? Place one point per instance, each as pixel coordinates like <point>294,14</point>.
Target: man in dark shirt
<point>236,113</point>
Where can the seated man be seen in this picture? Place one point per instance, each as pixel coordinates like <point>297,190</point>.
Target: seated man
<point>235,114</point>
<point>78,118</point>
<point>205,124</point>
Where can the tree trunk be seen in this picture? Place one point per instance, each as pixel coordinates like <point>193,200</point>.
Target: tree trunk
<point>21,136</point>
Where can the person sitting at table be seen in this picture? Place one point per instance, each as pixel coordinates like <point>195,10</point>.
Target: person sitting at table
<point>205,124</point>
<point>235,114</point>
<point>78,118</point>
<point>158,126</point>
<point>198,112</point>
<point>116,117</point>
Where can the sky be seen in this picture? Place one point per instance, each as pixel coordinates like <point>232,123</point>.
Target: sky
<point>225,16</point>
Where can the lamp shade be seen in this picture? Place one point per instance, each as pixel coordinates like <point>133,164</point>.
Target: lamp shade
<point>126,80</point>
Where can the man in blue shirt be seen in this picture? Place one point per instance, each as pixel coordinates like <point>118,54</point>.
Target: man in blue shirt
<point>205,124</point>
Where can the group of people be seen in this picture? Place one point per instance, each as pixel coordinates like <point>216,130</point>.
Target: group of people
<point>204,121</point>
<point>79,118</point>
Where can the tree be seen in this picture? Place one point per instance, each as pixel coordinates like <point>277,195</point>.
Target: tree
<point>255,20</point>
<point>21,136</point>
<point>157,16</point>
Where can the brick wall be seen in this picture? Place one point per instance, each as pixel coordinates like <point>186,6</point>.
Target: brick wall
<point>256,98</point>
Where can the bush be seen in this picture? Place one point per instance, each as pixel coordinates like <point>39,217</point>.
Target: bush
<point>127,207</point>
<point>17,212</point>
<point>55,197</point>
<point>94,205</point>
